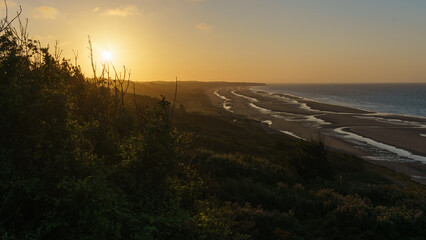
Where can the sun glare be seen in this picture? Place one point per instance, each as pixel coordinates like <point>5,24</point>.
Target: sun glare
<point>106,55</point>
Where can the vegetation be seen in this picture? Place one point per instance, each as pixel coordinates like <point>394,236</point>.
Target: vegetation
<point>81,159</point>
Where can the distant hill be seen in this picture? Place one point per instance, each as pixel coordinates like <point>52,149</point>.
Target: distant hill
<point>190,93</point>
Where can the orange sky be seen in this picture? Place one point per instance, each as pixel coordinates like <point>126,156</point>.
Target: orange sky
<point>284,41</point>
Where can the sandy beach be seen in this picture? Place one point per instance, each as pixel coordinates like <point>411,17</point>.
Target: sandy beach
<point>395,141</point>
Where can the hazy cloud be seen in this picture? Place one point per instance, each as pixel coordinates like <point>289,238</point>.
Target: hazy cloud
<point>45,12</point>
<point>204,27</point>
<point>96,9</point>
<point>123,11</point>
<point>43,38</point>
<point>9,4</point>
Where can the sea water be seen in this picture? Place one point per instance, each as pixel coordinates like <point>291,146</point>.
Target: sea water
<point>406,99</point>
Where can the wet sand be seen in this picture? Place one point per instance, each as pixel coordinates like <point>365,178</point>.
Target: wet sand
<point>394,141</point>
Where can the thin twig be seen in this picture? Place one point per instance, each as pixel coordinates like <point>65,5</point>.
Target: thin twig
<point>75,57</point>
<point>5,23</point>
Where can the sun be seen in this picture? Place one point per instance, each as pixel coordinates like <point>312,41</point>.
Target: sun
<point>106,55</point>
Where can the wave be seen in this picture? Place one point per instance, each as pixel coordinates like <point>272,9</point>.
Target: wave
<point>244,96</point>
<point>292,134</point>
<point>291,99</point>
<point>390,117</point>
<point>260,109</point>
<point>374,116</point>
<point>225,101</point>
<point>396,99</point>
<point>267,122</point>
<point>316,122</point>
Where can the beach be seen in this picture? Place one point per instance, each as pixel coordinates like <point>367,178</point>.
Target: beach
<point>394,141</point>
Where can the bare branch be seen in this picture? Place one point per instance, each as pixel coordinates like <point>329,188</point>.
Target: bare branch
<point>5,23</point>
<point>75,57</point>
<point>58,51</point>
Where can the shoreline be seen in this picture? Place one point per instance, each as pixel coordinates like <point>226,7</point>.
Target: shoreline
<point>362,106</point>
<point>383,139</point>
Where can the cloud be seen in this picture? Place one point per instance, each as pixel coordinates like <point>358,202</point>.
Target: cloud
<point>204,27</point>
<point>123,11</point>
<point>45,12</point>
<point>9,4</point>
<point>96,9</point>
<point>43,38</point>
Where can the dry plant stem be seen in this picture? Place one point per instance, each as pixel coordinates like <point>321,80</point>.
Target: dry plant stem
<point>58,51</point>
<point>92,61</point>
<point>124,90</point>
<point>75,57</point>
<point>121,86</point>
<point>5,23</point>
<point>22,35</point>
<point>30,48</point>
<point>103,73</point>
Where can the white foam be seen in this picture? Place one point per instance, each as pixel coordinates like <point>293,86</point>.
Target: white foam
<point>244,96</point>
<point>395,114</point>
<point>397,151</point>
<point>418,177</point>
<point>292,134</point>
<point>285,99</point>
<point>290,116</point>
<point>225,101</point>
<point>392,121</point>
<point>313,118</point>
<point>260,109</point>
<point>267,122</point>
<point>374,158</point>
<point>303,105</point>
<point>300,118</point>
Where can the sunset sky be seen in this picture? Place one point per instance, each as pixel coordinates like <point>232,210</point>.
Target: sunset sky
<point>279,41</point>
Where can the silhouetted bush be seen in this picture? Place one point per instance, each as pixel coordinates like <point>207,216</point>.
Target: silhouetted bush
<point>309,159</point>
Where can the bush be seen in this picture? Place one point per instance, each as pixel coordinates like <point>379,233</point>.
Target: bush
<point>309,158</point>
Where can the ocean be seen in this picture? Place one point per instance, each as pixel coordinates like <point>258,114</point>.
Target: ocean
<point>405,99</point>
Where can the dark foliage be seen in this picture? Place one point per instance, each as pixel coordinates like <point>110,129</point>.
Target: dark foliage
<point>75,164</point>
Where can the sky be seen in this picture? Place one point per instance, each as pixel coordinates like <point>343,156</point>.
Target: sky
<point>272,41</point>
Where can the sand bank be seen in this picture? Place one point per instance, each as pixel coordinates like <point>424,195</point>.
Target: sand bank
<point>395,141</point>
